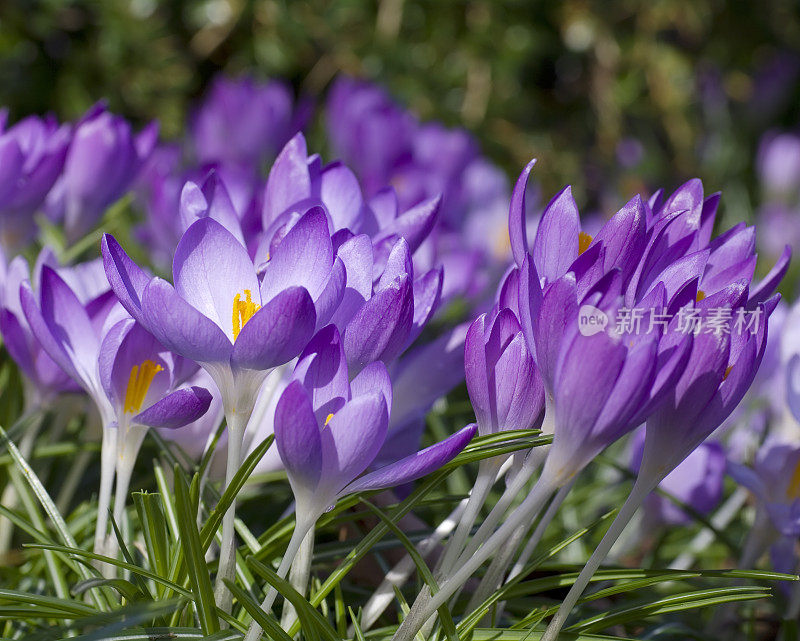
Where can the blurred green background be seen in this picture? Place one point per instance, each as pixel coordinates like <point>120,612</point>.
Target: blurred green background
<point>674,88</point>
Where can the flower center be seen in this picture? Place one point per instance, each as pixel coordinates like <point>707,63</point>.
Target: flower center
<point>138,384</point>
<point>584,240</point>
<point>793,491</point>
<point>700,295</point>
<point>243,311</point>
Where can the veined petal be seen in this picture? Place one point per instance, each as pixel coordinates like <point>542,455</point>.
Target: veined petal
<point>556,243</point>
<point>517,227</point>
<point>303,258</point>
<point>126,278</point>
<point>210,269</point>
<point>182,328</point>
<point>352,439</point>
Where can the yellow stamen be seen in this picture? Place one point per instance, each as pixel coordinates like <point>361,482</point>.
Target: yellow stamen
<point>243,311</point>
<point>727,371</point>
<point>139,382</point>
<point>584,240</point>
<point>328,420</point>
<point>700,295</point>
<point>793,491</point>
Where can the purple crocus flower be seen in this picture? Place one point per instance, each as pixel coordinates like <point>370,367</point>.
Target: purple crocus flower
<point>697,482</point>
<point>774,479</point>
<point>244,122</point>
<point>329,430</point>
<point>103,160</point>
<point>779,165</point>
<point>46,378</point>
<point>116,362</point>
<point>32,154</point>
<point>237,323</point>
<point>503,382</point>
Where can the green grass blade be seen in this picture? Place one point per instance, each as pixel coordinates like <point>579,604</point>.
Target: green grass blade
<point>193,553</point>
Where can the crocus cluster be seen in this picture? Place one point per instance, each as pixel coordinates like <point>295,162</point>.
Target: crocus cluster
<point>303,298</point>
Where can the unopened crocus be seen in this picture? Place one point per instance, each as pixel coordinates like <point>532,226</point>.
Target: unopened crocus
<point>330,429</point>
<point>235,325</point>
<point>506,392</point>
<point>32,154</point>
<point>103,161</point>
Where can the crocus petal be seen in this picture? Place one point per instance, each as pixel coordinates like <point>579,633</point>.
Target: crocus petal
<point>289,180</point>
<point>374,378</point>
<point>398,264</point>
<point>298,438</point>
<point>380,329</point>
<point>332,293</point>
<point>303,258</point>
<point>126,278</point>
<point>43,334</point>
<point>322,368</point>
<point>767,286</point>
<point>556,242</point>
<point>210,269</point>
<point>341,193</point>
<point>356,254</point>
<point>414,466</point>
<point>352,439</point>
<point>180,327</point>
<point>530,300</point>
<point>427,293</point>
<point>177,409</point>
<point>517,228</point>
<point>623,237</point>
<point>415,224</point>
<point>277,332</point>
<point>520,392</point>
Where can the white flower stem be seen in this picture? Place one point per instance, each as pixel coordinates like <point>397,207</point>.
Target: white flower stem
<point>541,527</point>
<point>398,575</point>
<point>641,488</point>
<point>237,422</point>
<point>523,475</point>
<point>298,577</point>
<point>426,605</point>
<point>299,534</point>
<point>108,457</point>
<point>129,442</point>
<point>487,473</point>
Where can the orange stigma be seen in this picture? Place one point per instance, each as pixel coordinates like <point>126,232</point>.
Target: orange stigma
<point>700,295</point>
<point>243,311</point>
<point>584,240</point>
<point>139,381</point>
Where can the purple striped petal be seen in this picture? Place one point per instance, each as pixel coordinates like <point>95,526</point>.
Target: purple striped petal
<point>556,244</point>
<point>210,269</point>
<point>289,180</point>
<point>180,327</point>
<point>322,368</point>
<point>126,278</point>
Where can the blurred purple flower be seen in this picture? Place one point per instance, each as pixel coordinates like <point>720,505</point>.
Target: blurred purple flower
<point>32,154</point>
<point>103,161</point>
<point>697,482</point>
